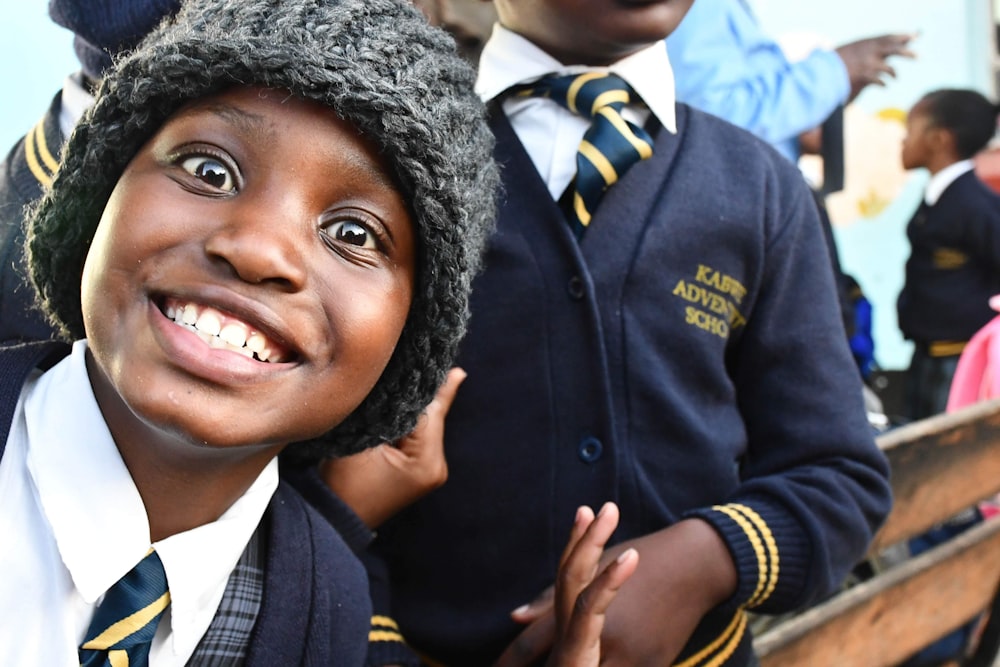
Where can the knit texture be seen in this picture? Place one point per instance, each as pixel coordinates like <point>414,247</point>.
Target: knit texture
<point>380,66</point>
<point>106,27</point>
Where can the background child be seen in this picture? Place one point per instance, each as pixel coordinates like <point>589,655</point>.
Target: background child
<point>954,264</point>
<point>100,28</point>
<point>272,240</point>
<point>681,354</point>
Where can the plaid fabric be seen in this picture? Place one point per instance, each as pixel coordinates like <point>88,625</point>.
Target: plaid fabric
<point>227,638</point>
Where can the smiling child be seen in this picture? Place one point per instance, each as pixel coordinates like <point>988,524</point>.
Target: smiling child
<point>261,237</point>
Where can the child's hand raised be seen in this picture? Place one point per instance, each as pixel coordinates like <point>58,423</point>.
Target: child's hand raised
<point>687,572</point>
<point>381,481</point>
<point>582,594</point>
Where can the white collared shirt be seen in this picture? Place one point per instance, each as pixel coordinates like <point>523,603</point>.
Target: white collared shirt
<point>940,181</point>
<point>75,102</point>
<point>550,133</point>
<point>73,523</point>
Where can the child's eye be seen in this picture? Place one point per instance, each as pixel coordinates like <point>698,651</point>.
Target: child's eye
<point>213,172</point>
<point>352,233</point>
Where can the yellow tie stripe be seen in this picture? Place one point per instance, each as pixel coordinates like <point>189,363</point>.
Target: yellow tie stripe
<point>610,146</point>
<point>129,624</point>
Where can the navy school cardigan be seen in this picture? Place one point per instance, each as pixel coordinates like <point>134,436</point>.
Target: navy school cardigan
<point>316,608</point>
<point>686,359</point>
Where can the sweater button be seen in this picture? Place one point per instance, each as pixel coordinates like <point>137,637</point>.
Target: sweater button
<point>589,450</point>
<point>576,288</point>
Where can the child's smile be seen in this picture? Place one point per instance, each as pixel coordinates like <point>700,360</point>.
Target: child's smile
<point>225,332</point>
<point>251,274</point>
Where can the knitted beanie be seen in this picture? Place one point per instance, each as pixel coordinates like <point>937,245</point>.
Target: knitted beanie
<point>380,66</point>
<point>105,27</point>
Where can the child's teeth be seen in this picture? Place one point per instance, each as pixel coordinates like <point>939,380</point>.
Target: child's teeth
<point>190,315</point>
<point>233,334</point>
<point>209,322</point>
<point>236,336</point>
<point>256,342</point>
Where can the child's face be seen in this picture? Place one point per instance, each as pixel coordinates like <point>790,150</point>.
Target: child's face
<point>592,32</point>
<point>250,215</point>
<point>917,147</point>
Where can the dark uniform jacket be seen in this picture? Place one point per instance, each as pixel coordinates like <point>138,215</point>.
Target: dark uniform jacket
<point>316,609</point>
<point>687,358</point>
<point>954,264</point>
<point>27,171</point>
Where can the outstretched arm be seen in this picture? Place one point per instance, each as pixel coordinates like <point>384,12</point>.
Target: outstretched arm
<point>725,64</point>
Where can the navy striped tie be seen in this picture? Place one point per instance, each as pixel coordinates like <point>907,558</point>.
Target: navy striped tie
<point>610,146</point>
<point>123,626</point>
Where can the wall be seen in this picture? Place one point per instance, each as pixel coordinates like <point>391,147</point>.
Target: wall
<point>36,55</point>
<point>954,46</point>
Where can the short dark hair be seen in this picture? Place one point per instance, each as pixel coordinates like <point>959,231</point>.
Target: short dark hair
<point>967,114</point>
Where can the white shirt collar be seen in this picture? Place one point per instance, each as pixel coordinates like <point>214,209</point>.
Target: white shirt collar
<point>75,102</point>
<point>940,181</point>
<point>508,59</point>
<point>97,516</point>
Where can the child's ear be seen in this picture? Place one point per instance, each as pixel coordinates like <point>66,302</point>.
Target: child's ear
<point>941,139</point>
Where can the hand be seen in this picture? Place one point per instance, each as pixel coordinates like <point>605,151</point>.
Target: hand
<point>582,596</point>
<point>379,482</point>
<point>687,571</point>
<point>866,59</point>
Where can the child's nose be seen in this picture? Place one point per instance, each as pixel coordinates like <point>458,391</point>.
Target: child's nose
<point>261,240</point>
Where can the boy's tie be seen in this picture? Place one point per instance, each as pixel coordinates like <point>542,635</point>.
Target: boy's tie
<point>124,624</point>
<point>610,146</point>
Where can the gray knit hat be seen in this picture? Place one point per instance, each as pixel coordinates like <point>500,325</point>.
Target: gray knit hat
<point>380,66</point>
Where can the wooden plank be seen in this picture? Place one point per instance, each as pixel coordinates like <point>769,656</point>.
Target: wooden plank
<point>884,620</point>
<point>940,466</point>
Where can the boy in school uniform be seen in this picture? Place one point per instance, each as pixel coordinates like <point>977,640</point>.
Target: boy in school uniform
<point>954,264</point>
<point>260,240</point>
<point>658,330</point>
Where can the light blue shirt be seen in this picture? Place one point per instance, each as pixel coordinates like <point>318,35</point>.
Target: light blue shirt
<point>726,65</point>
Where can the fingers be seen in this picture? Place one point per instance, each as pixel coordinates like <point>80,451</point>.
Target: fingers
<point>580,644</point>
<point>445,395</point>
<point>536,608</point>
<point>582,556</point>
<point>583,598</point>
<point>531,645</point>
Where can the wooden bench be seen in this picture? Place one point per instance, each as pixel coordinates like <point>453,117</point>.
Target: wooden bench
<point>940,466</point>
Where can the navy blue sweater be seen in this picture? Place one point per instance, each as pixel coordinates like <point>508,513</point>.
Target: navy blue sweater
<point>954,264</point>
<point>24,174</point>
<point>316,609</point>
<point>685,359</point>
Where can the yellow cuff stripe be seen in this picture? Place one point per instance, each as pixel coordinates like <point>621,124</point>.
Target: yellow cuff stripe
<point>30,154</point>
<point>128,625</point>
<point>43,149</point>
<point>722,647</point>
<point>384,621</point>
<point>755,542</point>
<point>772,550</point>
<point>384,636</point>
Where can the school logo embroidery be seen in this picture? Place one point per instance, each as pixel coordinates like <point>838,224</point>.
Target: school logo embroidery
<point>714,298</point>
